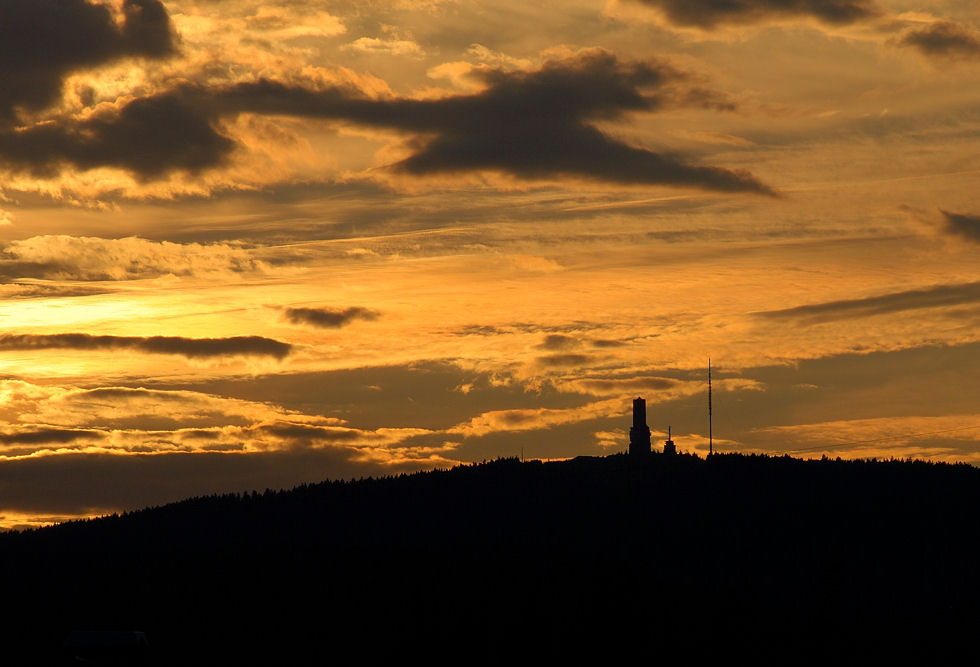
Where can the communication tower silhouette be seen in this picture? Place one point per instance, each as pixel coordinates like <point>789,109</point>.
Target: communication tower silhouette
<point>711,443</point>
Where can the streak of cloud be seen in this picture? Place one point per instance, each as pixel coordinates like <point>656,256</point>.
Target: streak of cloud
<point>47,436</point>
<point>931,297</point>
<point>617,386</point>
<point>603,342</point>
<point>562,360</point>
<point>187,347</point>
<point>655,389</point>
<point>307,432</point>
<point>710,13</point>
<point>27,290</point>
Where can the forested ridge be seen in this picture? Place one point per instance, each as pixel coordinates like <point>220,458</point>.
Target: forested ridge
<point>771,558</point>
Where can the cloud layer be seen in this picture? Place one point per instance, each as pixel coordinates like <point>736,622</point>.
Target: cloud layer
<point>531,124</point>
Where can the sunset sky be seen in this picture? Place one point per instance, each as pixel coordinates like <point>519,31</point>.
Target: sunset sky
<point>249,244</point>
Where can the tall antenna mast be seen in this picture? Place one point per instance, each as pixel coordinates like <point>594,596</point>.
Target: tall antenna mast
<point>711,448</point>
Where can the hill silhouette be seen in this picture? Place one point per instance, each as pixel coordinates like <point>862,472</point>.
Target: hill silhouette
<point>661,557</point>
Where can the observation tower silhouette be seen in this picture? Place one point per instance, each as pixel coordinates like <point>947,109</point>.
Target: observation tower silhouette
<point>639,431</point>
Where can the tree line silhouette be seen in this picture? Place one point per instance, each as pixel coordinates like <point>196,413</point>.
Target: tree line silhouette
<point>661,556</point>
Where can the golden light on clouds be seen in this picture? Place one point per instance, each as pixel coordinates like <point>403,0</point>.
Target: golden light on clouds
<point>297,241</point>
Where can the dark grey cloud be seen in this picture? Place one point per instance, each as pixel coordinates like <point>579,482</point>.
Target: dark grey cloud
<point>531,124</point>
<point>604,342</point>
<point>558,342</point>
<point>709,13</point>
<point>959,224</point>
<point>931,297</point>
<point>42,41</point>
<point>149,137</point>
<point>944,38</point>
<point>329,318</point>
<point>188,347</point>
<point>538,124</point>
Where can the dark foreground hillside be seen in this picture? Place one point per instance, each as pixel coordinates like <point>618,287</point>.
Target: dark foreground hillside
<point>677,559</point>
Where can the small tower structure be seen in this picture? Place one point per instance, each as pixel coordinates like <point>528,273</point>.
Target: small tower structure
<point>639,431</point>
<point>669,447</point>
<point>711,444</point>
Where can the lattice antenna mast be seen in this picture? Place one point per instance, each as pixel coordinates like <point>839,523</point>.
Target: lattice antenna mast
<point>711,448</point>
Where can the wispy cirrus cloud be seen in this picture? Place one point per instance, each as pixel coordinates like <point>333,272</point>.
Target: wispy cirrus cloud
<point>532,419</point>
<point>386,45</point>
<point>85,258</point>
<point>279,436</point>
<point>130,408</point>
<point>656,389</point>
<point>53,420</point>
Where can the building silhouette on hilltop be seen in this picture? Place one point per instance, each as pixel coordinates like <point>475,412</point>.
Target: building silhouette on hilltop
<point>669,447</point>
<point>639,431</point>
